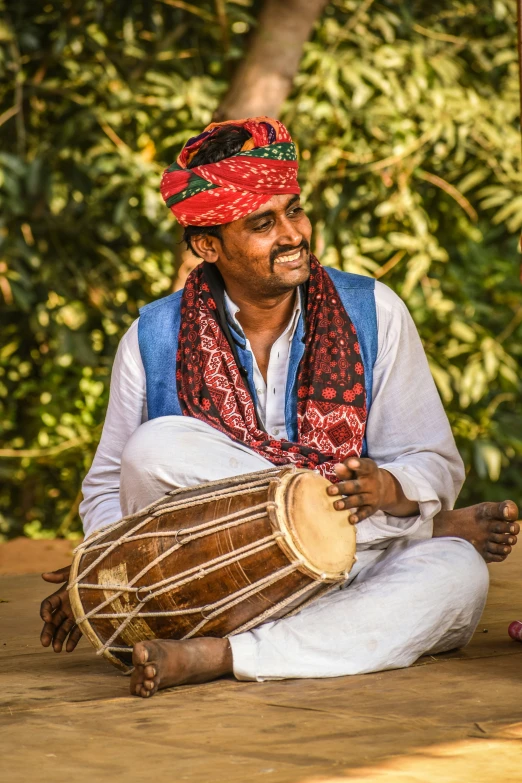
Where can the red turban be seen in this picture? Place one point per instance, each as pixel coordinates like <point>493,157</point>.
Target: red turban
<point>218,193</point>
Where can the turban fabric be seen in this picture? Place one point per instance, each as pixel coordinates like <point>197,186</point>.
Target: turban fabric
<point>218,193</point>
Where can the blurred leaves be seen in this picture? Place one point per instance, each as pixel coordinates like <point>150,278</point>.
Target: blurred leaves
<point>406,117</point>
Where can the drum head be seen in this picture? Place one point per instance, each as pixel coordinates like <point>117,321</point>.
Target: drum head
<point>320,535</point>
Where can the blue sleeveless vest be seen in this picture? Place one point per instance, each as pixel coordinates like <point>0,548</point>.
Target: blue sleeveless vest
<point>158,330</point>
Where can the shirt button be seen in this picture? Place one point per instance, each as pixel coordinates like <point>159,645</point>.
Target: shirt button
<point>260,391</point>
<point>275,431</point>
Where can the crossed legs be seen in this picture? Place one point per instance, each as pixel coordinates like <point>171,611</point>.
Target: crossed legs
<point>416,596</point>
<point>421,597</point>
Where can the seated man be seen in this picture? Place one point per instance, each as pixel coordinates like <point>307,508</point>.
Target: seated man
<point>266,358</point>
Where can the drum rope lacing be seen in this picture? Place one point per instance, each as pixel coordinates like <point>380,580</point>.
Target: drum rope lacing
<point>176,581</point>
<point>222,523</point>
<point>216,608</point>
<point>199,500</point>
<point>161,509</point>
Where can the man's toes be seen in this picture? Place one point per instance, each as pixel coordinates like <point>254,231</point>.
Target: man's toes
<point>148,688</point>
<point>490,510</point>
<point>136,681</point>
<point>506,511</point>
<point>503,538</point>
<point>498,549</point>
<point>504,528</point>
<point>509,510</point>
<point>140,654</point>
<point>149,671</point>
<point>494,558</point>
<point>151,681</point>
<point>144,678</point>
<point>143,688</point>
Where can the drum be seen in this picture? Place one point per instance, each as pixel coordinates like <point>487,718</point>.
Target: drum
<point>212,560</point>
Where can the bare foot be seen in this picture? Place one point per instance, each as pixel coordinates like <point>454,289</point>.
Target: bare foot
<point>163,663</point>
<point>490,527</point>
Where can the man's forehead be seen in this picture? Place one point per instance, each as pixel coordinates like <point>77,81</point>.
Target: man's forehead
<point>276,204</point>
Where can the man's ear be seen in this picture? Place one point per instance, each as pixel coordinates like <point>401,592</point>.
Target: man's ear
<point>207,247</point>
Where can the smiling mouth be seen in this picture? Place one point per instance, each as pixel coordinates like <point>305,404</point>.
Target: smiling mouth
<point>289,257</point>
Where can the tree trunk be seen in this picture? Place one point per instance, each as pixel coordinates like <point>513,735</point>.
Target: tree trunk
<point>265,76</point>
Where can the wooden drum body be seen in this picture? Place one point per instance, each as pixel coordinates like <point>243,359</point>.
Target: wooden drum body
<point>212,560</point>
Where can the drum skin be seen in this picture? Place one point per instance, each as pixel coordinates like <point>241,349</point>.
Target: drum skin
<point>227,577</point>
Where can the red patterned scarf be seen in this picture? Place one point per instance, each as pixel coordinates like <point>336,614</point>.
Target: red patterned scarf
<point>331,407</point>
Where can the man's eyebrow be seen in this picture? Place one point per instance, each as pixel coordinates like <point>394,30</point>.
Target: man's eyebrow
<point>293,200</point>
<point>254,218</point>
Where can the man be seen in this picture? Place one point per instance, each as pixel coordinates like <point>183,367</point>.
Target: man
<point>267,358</point>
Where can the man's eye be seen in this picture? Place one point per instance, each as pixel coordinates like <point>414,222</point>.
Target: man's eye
<point>261,227</point>
<point>296,210</point>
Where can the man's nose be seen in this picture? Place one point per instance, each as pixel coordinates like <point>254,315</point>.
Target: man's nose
<point>288,233</point>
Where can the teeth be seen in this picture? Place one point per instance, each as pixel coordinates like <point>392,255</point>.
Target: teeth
<point>285,259</point>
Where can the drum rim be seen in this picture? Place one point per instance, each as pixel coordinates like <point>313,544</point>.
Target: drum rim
<point>279,518</point>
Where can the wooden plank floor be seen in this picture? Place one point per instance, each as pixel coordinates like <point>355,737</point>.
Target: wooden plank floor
<point>452,718</point>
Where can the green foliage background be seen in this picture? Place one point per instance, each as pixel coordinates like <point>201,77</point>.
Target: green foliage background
<point>406,120</point>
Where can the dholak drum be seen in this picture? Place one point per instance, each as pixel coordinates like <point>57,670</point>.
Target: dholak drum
<point>212,560</point>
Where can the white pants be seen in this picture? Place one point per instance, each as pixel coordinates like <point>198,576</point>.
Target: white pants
<point>402,601</point>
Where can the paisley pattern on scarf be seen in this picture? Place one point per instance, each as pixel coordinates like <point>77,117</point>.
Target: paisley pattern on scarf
<point>331,408</point>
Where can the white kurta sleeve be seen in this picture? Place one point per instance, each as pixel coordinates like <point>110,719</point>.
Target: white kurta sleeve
<point>126,411</point>
<point>408,432</point>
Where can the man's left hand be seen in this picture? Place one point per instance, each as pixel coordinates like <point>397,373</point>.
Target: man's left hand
<point>367,487</point>
<point>58,617</point>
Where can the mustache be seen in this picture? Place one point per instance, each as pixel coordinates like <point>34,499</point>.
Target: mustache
<point>287,249</point>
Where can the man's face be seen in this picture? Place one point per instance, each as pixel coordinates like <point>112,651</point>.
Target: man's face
<point>266,253</point>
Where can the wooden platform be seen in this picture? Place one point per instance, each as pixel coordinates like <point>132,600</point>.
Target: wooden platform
<point>453,718</point>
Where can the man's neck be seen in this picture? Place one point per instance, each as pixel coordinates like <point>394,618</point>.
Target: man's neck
<point>270,316</point>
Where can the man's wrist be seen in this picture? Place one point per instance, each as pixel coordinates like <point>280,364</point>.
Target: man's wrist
<point>394,501</point>
<point>389,495</point>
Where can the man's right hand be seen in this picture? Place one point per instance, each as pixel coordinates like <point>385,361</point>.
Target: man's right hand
<point>57,614</point>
